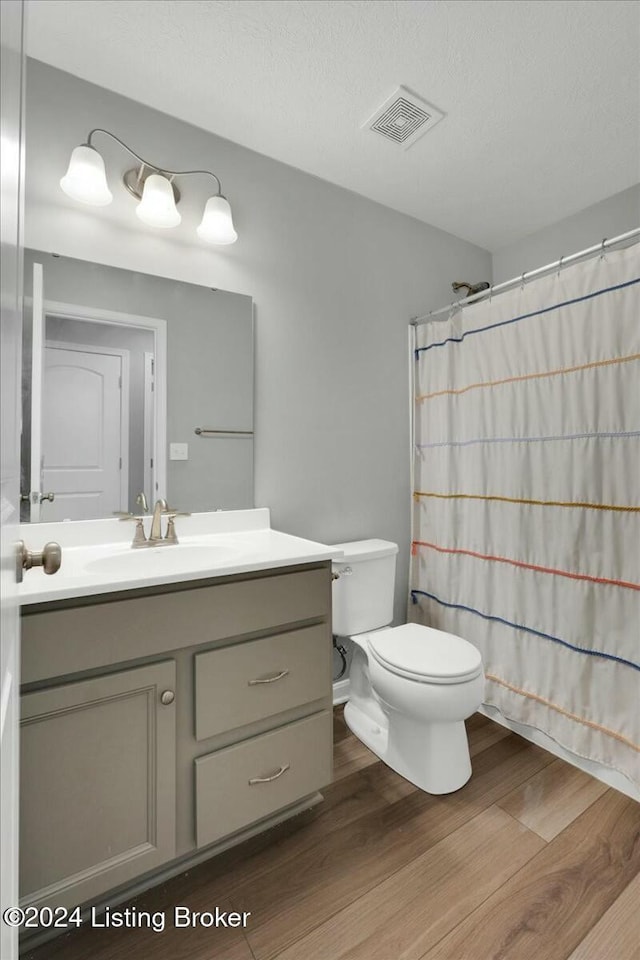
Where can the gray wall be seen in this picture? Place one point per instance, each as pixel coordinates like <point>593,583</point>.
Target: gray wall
<point>209,370</point>
<point>334,277</point>
<point>606,219</point>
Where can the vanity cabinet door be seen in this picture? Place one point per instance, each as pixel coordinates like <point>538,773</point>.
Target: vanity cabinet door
<point>97,784</point>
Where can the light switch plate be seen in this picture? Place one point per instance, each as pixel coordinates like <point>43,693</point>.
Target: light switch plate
<point>178,451</point>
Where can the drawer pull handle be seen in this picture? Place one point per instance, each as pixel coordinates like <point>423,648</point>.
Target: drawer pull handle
<point>275,776</point>
<point>277,676</point>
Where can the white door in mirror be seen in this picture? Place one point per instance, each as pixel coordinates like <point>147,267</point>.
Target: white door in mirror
<point>85,455</point>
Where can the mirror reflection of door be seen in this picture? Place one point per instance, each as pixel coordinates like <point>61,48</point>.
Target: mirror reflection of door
<point>98,417</point>
<point>85,431</point>
<point>89,411</point>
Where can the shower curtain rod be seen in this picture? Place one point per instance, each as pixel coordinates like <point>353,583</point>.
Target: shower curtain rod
<point>500,287</point>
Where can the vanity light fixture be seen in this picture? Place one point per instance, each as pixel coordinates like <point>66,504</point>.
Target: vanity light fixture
<point>216,225</point>
<point>158,206</point>
<point>86,181</point>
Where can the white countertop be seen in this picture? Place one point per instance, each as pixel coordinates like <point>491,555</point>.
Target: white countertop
<point>97,557</point>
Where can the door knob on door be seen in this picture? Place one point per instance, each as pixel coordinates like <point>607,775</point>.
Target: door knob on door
<point>50,559</point>
<point>37,497</point>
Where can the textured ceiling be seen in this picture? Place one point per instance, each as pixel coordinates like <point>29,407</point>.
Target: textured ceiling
<point>542,97</point>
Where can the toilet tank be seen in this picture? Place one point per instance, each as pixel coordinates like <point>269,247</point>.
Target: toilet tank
<point>363,592</point>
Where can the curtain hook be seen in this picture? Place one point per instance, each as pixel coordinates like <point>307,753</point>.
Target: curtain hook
<point>601,257</point>
<point>490,293</point>
<point>522,281</point>
<point>559,266</point>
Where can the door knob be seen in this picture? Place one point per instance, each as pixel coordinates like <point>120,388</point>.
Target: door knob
<point>167,697</point>
<point>50,558</point>
<point>37,497</point>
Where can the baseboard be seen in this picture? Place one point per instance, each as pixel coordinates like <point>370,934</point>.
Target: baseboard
<point>613,778</point>
<point>341,691</point>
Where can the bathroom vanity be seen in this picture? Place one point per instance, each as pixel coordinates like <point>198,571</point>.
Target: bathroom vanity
<point>169,714</point>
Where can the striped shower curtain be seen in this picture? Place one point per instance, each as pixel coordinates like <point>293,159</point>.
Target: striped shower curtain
<point>526,500</point>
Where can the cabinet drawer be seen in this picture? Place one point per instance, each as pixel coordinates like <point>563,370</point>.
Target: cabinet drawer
<point>227,794</point>
<point>245,682</point>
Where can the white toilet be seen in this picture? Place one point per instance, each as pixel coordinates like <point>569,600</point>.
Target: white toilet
<point>411,686</point>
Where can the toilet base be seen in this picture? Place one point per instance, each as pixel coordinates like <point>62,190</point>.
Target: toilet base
<point>432,756</point>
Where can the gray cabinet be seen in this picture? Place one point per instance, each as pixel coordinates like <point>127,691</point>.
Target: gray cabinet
<point>97,784</point>
<point>115,782</point>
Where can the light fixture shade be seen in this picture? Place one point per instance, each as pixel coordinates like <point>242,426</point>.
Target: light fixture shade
<point>217,225</point>
<point>85,179</point>
<point>158,206</point>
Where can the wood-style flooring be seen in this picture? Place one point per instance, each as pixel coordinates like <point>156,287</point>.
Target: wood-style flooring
<point>531,860</point>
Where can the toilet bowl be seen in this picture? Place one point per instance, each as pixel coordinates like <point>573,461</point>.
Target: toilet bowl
<point>411,686</point>
<point>415,721</point>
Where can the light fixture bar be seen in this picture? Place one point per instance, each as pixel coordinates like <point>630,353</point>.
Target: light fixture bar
<point>146,163</point>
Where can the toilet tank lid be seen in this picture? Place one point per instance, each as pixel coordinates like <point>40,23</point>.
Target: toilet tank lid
<point>365,550</point>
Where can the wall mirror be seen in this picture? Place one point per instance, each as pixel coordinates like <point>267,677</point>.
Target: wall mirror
<point>134,387</point>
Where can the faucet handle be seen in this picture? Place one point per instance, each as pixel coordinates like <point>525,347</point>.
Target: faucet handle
<point>139,537</point>
<point>171,535</point>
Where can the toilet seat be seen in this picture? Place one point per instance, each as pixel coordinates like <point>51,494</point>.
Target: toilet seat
<point>426,655</point>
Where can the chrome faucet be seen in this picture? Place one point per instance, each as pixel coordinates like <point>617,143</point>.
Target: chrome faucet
<point>141,501</point>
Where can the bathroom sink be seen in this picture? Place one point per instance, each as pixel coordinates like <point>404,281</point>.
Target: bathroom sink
<point>166,559</point>
<point>98,558</point>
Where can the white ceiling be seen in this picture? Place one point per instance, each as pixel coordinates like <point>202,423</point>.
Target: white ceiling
<point>542,97</point>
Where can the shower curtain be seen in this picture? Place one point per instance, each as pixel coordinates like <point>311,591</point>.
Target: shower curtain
<point>526,510</point>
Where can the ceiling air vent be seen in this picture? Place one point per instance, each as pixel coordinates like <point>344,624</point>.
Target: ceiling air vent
<point>403,118</point>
